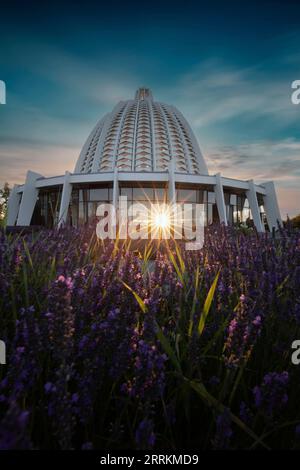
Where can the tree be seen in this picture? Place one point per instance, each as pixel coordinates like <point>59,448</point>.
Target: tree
<point>4,195</point>
<point>296,221</point>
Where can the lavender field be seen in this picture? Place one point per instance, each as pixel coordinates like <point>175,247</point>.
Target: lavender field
<point>113,349</point>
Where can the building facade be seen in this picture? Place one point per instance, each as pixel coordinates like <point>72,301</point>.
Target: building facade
<point>147,151</point>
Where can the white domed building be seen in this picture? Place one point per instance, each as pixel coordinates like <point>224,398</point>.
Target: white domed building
<point>147,151</point>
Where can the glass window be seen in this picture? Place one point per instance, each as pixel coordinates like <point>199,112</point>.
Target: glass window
<point>186,195</point>
<point>260,199</point>
<point>147,206</point>
<point>82,196</point>
<point>209,214</point>
<point>236,218</point>
<point>230,214</point>
<point>142,194</point>
<point>200,196</point>
<point>211,198</point>
<point>74,215</point>
<point>246,203</point>
<point>159,194</point>
<point>233,199</point>
<point>127,192</point>
<point>92,207</point>
<point>227,198</point>
<point>99,194</point>
<point>75,195</point>
<point>81,215</point>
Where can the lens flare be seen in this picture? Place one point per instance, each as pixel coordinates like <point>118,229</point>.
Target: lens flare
<point>160,220</point>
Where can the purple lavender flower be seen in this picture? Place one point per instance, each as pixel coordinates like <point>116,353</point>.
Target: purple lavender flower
<point>214,380</point>
<point>297,431</point>
<point>245,413</point>
<point>59,318</point>
<point>149,372</point>
<point>87,446</point>
<point>223,430</point>
<point>86,360</point>
<point>271,396</point>
<point>243,331</point>
<point>144,435</point>
<point>13,429</point>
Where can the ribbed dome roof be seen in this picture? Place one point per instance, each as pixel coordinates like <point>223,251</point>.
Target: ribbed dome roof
<point>141,135</point>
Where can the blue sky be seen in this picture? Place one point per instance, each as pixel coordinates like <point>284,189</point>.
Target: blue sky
<point>228,67</point>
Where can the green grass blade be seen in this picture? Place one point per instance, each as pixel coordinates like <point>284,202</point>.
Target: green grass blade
<point>200,389</point>
<point>181,261</point>
<point>26,249</point>
<point>137,297</point>
<point>179,274</point>
<point>167,348</point>
<point>194,303</point>
<point>207,304</point>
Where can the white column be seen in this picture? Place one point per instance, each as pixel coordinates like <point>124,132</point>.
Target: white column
<point>115,200</point>
<point>29,198</point>
<point>171,183</point>
<point>13,205</point>
<point>252,198</point>
<point>271,206</point>
<point>65,200</point>
<point>219,192</point>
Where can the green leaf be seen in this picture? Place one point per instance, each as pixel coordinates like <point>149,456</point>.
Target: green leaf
<point>26,249</point>
<point>177,269</point>
<point>200,389</point>
<point>147,252</point>
<point>137,297</point>
<point>167,348</point>
<point>207,304</point>
<point>181,261</point>
<point>194,302</point>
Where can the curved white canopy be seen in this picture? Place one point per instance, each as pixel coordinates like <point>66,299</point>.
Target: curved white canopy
<point>141,135</point>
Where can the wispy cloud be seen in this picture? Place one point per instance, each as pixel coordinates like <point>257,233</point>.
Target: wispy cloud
<point>27,122</point>
<point>262,161</point>
<point>215,92</point>
<point>100,82</point>
<point>49,160</point>
<point>278,160</point>
<point>218,99</point>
